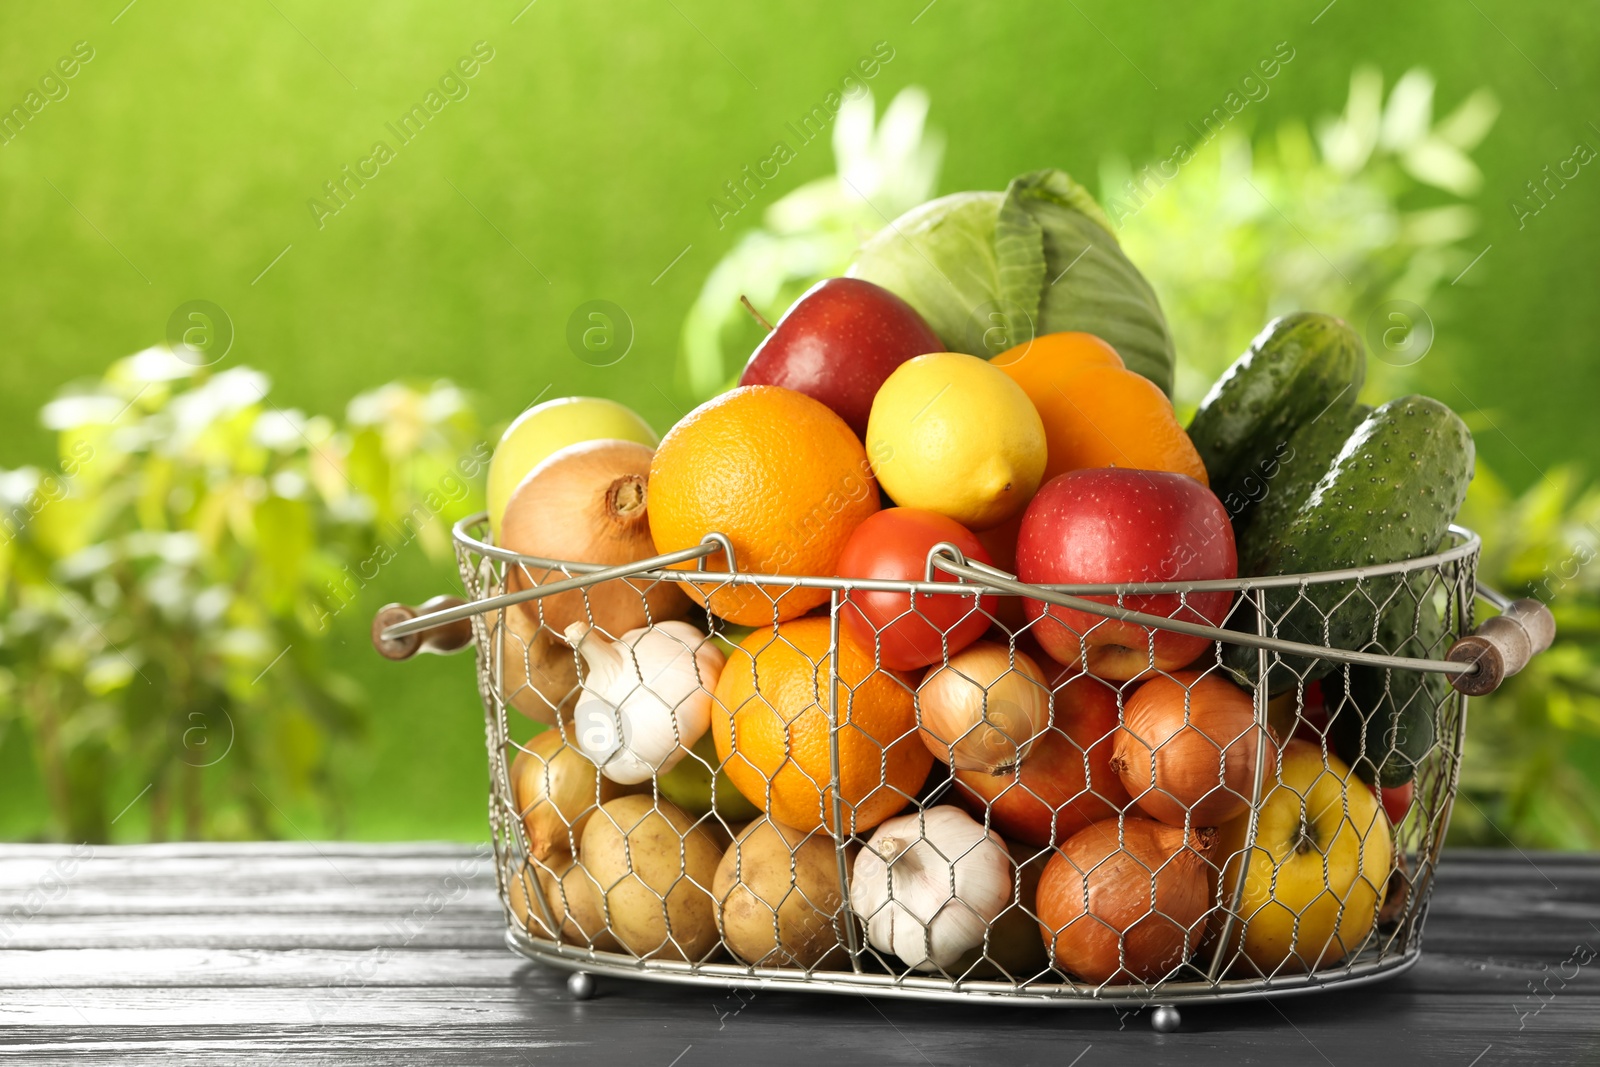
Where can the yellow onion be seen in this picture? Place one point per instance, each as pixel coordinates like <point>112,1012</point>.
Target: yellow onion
<point>1097,912</point>
<point>588,503</point>
<point>1188,747</point>
<point>981,710</point>
<point>556,789</point>
<point>538,672</point>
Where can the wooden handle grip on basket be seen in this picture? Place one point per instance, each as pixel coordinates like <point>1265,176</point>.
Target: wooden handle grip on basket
<point>443,639</point>
<point>1502,646</point>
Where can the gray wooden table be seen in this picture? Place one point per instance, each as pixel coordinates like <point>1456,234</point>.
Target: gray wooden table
<point>336,953</point>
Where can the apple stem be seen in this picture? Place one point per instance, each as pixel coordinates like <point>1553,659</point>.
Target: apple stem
<point>745,300</point>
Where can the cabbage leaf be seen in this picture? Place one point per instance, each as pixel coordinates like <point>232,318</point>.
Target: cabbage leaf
<point>989,270</point>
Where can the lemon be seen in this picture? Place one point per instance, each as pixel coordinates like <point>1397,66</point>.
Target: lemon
<point>953,434</point>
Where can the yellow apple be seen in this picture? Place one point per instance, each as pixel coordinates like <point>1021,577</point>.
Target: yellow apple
<point>549,427</point>
<point>1317,873</point>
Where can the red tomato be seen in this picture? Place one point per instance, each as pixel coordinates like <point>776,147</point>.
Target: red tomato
<point>1396,800</point>
<point>894,544</point>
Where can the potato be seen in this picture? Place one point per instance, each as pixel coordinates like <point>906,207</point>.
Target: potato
<point>654,867</point>
<point>574,903</point>
<point>538,672</point>
<point>777,892</point>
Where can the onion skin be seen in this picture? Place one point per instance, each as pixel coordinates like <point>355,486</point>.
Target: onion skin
<point>961,730</point>
<point>1114,878</point>
<point>588,503</point>
<point>557,789</point>
<point>1170,751</point>
<point>538,672</point>
<point>1066,782</point>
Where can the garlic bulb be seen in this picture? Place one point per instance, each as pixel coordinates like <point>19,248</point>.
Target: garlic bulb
<point>646,698</point>
<point>928,885</point>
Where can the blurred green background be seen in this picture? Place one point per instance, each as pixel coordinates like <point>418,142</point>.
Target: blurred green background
<point>579,165</point>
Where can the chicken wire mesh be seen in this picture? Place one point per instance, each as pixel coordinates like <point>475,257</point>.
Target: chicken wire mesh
<point>1081,836</point>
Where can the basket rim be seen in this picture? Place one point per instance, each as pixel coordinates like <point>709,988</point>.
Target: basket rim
<point>463,533</point>
<point>1352,972</point>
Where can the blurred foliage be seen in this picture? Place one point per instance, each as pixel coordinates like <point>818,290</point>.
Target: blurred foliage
<point>811,233</point>
<point>1531,772</point>
<point>1364,210</point>
<point>163,592</point>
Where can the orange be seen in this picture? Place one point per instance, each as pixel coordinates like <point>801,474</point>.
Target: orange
<point>1096,412</point>
<point>1060,354</point>
<point>781,475</point>
<point>770,723</point>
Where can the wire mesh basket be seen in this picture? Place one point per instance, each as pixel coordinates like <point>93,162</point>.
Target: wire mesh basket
<point>781,807</point>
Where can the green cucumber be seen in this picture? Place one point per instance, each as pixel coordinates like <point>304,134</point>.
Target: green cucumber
<point>1390,495</point>
<point>1298,367</point>
<point>1382,721</point>
<point>1310,454</point>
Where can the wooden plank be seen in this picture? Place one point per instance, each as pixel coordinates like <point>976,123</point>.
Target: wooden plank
<point>409,964</point>
<point>163,852</point>
<point>465,928</point>
<point>384,965</point>
<point>290,954</point>
<point>95,877</point>
<point>255,896</point>
<point>655,1026</point>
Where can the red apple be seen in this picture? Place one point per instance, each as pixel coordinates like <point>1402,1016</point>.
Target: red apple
<point>1113,525</point>
<point>1066,781</point>
<point>837,344</point>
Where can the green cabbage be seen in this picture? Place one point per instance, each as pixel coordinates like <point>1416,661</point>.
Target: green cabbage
<point>989,270</point>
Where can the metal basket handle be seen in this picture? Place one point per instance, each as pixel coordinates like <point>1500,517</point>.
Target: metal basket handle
<point>442,636</point>
<point>1476,664</point>
<point>1503,645</point>
<point>395,628</point>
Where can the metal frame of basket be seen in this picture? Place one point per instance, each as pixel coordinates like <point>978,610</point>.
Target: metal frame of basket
<point>1437,590</point>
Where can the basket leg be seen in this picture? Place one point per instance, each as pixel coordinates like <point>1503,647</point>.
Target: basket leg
<point>1165,1019</point>
<point>581,985</point>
